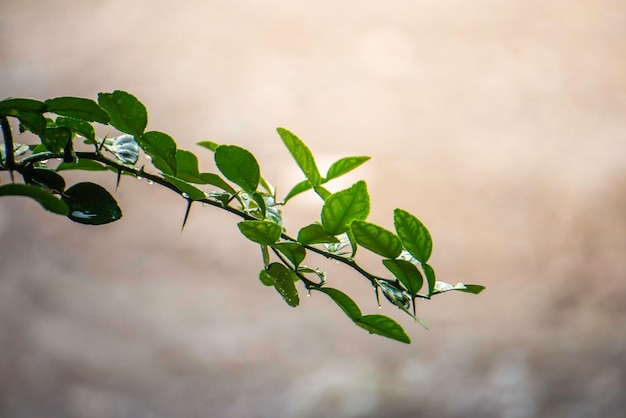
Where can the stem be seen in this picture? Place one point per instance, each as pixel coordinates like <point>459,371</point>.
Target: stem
<point>8,143</point>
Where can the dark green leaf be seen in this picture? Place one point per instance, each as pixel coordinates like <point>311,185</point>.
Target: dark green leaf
<point>343,166</point>
<point>55,139</point>
<point>413,234</point>
<point>407,273</point>
<point>303,186</point>
<point>262,232</point>
<point>7,106</point>
<point>45,198</point>
<point>127,113</point>
<point>124,147</point>
<point>45,178</point>
<point>315,234</point>
<point>91,204</point>
<point>239,166</point>
<point>260,203</point>
<point>82,164</point>
<point>187,167</point>
<point>210,145</point>
<point>343,301</point>
<point>187,190</point>
<point>79,108</point>
<point>161,149</point>
<point>292,250</point>
<point>345,206</point>
<point>302,154</point>
<point>376,239</point>
<point>283,279</point>
<point>383,325</point>
<point>78,127</point>
<point>34,122</point>
<point>215,180</point>
<point>430,277</point>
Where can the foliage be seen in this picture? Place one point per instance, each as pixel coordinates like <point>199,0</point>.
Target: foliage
<point>66,124</point>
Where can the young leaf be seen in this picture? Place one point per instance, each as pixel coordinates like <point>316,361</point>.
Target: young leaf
<point>91,204</point>
<point>315,234</point>
<point>239,166</point>
<point>262,232</point>
<point>78,108</point>
<point>55,138</point>
<point>407,273</point>
<point>442,287</point>
<point>210,145</point>
<point>376,239</point>
<point>430,277</point>
<point>343,166</point>
<point>45,198</point>
<point>127,113</point>
<point>283,279</point>
<point>293,251</point>
<point>124,147</point>
<point>161,149</point>
<point>303,156</point>
<point>345,206</point>
<point>383,325</point>
<point>301,187</point>
<point>187,167</point>
<point>343,301</point>
<point>322,192</point>
<point>78,127</point>
<point>413,234</point>
<point>471,288</point>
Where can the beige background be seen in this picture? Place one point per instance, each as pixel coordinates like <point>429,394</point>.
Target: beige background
<point>500,124</point>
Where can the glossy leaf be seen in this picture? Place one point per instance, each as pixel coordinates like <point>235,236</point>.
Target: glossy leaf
<point>343,166</point>
<point>78,108</point>
<point>91,204</point>
<point>283,281</point>
<point>315,234</point>
<point>210,145</point>
<point>78,127</point>
<point>345,206</point>
<point>413,234</point>
<point>161,149</point>
<point>127,113</point>
<point>187,167</point>
<point>293,251</point>
<point>342,300</point>
<point>82,164</point>
<point>442,287</point>
<point>45,198</point>
<point>262,232</point>
<point>301,187</point>
<point>302,154</point>
<point>383,325</point>
<point>265,278</point>
<point>11,105</point>
<point>45,178</point>
<point>431,278</point>
<point>407,273</point>
<point>376,239</point>
<point>55,139</point>
<point>187,190</point>
<point>124,147</point>
<point>215,180</point>
<point>239,166</point>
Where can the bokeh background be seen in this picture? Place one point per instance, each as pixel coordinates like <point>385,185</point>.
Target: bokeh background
<point>501,125</point>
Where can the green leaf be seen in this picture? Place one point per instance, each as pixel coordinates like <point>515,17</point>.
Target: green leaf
<point>343,166</point>
<point>78,127</point>
<point>442,287</point>
<point>45,198</point>
<point>239,166</point>
<point>407,273</point>
<point>315,234</point>
<point>293,251</point>
<point>429,272</point>
<point>342,300</point>
<point>322,192</point>
<point>124,147</point>
<point>301,187</point>
<point>303,156</point>
<point>383,325</point>
<point>210,145</point>
<point>413,234</point>
<point>187,190</point>
<point>10,105</point>
<point>127,113</point>
<point>161,149</point>
<point>262,232</point>
<point>345,206</point>
<point>376,239</point>
<point>55,139</point>
<point>472,288</point>
<point>82,164</point>
<point>79,108</point>
<point>34,122</point>
<point>187,167</point>
<point>283,279</point>
<point>265,278</point>
<point>45,178</point>
<point>91,204</point>
<point>215,180</point>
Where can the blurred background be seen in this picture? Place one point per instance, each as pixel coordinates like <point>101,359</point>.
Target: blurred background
<point>501,125</point>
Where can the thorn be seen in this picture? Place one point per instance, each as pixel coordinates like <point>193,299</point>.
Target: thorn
<point>119,178</point>
<point>189,202</point>
<point>377,297</point>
